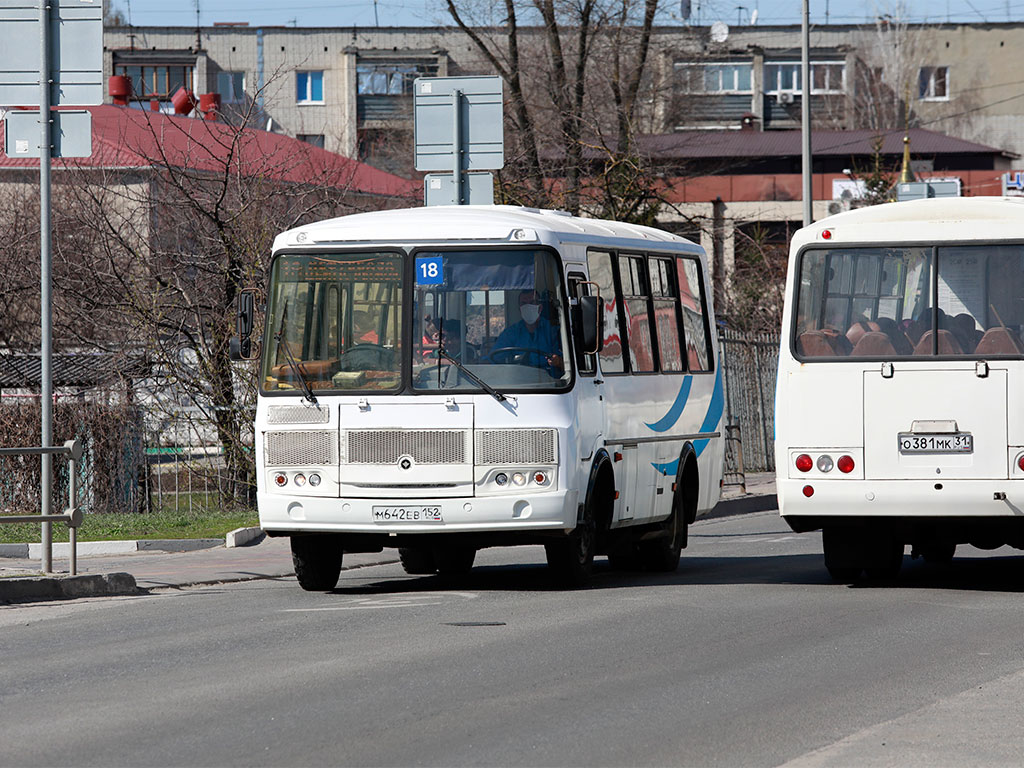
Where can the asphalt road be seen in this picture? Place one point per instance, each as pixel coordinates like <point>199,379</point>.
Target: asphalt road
<point>748,655</point>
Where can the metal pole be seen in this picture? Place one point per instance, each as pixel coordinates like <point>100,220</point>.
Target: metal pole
<point>805,111</point>
<point>72,504</point>
<point>45,298</point>
<point>457,144</point>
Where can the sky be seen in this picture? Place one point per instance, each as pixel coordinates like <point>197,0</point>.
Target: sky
<point>368,13</point>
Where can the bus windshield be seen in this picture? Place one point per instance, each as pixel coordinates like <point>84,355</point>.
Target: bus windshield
<point>500,314</point>
<point>339,317</point>
<point>913,301</point>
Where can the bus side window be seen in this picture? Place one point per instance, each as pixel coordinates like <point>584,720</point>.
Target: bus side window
<point>666,315</point>
<point>697,334</point>
<point>587,364</point>
<point>635,296</point>
<point>600,266</point>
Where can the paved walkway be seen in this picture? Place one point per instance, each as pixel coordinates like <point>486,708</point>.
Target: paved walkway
<point>20,578</point>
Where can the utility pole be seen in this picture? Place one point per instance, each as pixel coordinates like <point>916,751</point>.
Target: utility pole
<point>805,113</point>
<point>45,286</point>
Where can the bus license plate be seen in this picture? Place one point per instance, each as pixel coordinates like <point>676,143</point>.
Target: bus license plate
<point>959,442</point>
<point>407,515</point>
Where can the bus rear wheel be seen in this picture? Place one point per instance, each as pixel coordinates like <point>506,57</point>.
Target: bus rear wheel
<point>842,548</point>
<point>317,560</point>
<point>662,554</point>
<point>417,561</point>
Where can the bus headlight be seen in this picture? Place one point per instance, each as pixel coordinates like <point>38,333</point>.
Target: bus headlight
<point>314,480</point>
<point>300,479</point>
<point>501,479</point>
<point>518,479</point>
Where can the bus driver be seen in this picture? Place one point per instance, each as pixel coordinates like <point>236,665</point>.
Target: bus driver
<point>533,339</point>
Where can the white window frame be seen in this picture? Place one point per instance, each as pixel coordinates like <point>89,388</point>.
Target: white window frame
<point>307,97</point>
<point>701,73</point>
<point>929,94</point>
<point>793,67</point>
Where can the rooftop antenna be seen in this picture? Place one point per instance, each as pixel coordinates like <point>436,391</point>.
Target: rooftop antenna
<point>199,40</point>
<point>739,14</point>
<point>376,21</point>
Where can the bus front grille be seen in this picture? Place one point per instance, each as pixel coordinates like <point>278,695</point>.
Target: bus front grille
<point>516,446</point>
<point>288,449</point>
<point>387,446</point>
<point>297,414</point>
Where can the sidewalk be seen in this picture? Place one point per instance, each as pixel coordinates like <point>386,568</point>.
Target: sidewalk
<point>131,567</point>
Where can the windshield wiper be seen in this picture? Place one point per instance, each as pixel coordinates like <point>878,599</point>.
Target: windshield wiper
<point>308,393</point>
<point>471,376</point>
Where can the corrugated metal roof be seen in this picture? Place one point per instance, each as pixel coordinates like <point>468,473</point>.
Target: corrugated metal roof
<point>70,370</point>
<point>123,137</point>
<point>710,144</point>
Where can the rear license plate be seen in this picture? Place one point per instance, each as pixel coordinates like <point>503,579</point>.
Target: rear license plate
<point>407,515</point>
<point>959,442</point>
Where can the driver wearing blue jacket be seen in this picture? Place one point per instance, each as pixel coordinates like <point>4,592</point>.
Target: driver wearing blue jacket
<point>537,339</point>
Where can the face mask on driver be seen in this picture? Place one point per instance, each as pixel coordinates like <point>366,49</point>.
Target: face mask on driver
<point>530,312</point>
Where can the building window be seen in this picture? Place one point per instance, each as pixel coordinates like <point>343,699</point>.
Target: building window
<point>309,87</point>
<point>316,139</point>
<point>157,82</point>
<point>933,83</point>
<point>231,87</point>
<point>727,77</point>
<point>826,77</point>
<point>389,79</point>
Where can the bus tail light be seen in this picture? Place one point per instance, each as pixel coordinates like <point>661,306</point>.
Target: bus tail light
<point>804,462</point>
<point>824,463</point>
<point>845,464</point>
<point>1020,462</point>
<point>808,491</point>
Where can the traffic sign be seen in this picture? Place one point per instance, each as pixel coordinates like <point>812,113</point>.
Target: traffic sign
<point>439,189</point>
<point>473,129</point>
<point>70,133</point>
<point>76,52</point>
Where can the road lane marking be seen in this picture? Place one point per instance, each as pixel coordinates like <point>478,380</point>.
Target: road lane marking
<point>376,602</point>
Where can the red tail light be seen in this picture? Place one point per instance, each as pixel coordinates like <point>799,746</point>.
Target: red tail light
<point>808,491</point>
<point>1020,462</point>
<point>845,464</point>
<point>804,462</point>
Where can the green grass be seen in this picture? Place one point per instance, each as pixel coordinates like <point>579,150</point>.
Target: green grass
<point>163,524</point>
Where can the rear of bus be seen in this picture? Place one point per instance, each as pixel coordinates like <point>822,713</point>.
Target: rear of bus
<point>898,417</point>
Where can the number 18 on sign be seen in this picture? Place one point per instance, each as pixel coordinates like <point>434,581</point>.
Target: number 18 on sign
<point>429,270</point>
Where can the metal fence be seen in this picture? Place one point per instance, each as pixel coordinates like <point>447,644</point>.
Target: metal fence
<point>749,363</point>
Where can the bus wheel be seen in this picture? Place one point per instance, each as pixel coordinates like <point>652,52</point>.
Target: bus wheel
<point>842,548</point>
<point>938,552</point>
<point>885,558</point>
<point>571,558</point>
<point>417,561</point>
<point>662,555</point>
<point>452,561</point>
<point>317,561</point>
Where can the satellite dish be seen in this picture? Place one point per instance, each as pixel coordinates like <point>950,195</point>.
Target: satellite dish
<point>753,18</point>
<point>719,32</point>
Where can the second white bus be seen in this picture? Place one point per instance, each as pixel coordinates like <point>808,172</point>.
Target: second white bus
<point>899,420</point>
<point>451,378</point>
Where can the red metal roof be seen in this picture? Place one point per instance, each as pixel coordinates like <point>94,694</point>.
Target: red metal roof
<point>712,144</point>
<point>133,138</point>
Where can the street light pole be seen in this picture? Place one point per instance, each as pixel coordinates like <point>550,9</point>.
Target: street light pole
<point>45,297</point>
<point>805,112</point>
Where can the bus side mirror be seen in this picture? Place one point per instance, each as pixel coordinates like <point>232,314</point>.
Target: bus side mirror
<point>240,347</point>
<point>591,324</point>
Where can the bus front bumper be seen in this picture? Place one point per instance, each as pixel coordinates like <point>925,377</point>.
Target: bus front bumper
<point>552,511</point>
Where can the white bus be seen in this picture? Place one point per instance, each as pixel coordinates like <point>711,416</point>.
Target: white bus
<point>898,418</point>
<point>451,378</point>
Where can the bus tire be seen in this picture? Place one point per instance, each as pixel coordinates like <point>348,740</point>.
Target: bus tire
<point>317,561</point>
<point>885,558</point>
<point>571,558</point>
<point>662,555</point>
<point>454,561</point>
<point>417,561</point>
<point>842,554</point>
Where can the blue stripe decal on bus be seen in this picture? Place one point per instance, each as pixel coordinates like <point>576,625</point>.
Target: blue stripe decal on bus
<point>711,420</point>
<point>669,420</point>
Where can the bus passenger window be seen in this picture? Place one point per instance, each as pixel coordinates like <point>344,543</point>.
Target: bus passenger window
<point>696,333</point>
<point>638,322</point>
<point>666,315</point>
<point>600,264</point>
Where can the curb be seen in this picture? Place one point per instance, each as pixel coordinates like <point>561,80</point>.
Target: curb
<point>62,549</point>
<point>744,505</point>
<point>242,536</point>
<point>57,587</point>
